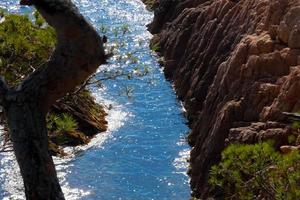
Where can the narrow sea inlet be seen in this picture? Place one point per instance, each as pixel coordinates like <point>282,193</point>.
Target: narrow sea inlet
<point>143,155</point>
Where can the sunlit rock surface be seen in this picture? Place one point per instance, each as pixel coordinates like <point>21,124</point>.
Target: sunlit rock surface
<point>235,64</point>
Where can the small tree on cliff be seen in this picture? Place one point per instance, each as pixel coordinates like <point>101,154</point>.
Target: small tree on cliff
<point>78,53</point>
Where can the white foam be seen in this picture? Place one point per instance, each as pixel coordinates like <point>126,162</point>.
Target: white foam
<point>181,162</point>
<point>10,178</point>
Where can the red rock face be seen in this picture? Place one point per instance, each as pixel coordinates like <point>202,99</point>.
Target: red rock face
<point>236,66</point>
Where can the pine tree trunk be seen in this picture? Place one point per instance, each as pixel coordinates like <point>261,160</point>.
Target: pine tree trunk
<point>29,136</point>
<point>78,54</point>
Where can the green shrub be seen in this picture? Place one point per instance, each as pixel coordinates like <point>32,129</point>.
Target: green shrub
<point>257,172</point>
<point>296,125</point>
<point>155,47</point>
<point>24,45</point>
<point>61,123</point>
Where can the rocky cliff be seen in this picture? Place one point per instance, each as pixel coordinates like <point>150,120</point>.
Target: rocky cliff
<point>236,66</point>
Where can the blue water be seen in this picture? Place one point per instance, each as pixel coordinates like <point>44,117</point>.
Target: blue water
<point>143,154</point>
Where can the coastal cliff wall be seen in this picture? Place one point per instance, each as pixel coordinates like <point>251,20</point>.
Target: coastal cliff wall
<point>236,66</point>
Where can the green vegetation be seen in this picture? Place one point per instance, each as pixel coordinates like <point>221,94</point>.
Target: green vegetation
<point>62,123</point>
<point>257,172</point>
<point>155,47</point>
<point>296,125</point>
<point>115,48</point>
<point>26,42</point>
<point>24,45</point>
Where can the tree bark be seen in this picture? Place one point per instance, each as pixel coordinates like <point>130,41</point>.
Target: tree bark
<point>78,53</point>
<point>29,136</point>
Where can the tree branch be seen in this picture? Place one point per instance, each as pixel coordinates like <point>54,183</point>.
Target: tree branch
<point>90,81</point>
<point>78,53</point>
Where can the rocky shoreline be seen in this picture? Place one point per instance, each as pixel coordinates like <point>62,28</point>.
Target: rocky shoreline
<point>89,116</point>
<point>235,65</point>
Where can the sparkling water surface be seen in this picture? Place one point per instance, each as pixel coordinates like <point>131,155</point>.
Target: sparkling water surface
<point>143,154</point>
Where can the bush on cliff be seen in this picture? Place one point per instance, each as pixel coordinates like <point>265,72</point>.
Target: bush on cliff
<point>257,172</point>
<point>62,123</point>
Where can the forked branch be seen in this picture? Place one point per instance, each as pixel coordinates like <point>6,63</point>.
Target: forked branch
<point>78,53</point>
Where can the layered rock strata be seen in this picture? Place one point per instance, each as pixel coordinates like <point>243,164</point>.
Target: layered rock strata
<point>89,116</point>
<point>236,66</point>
